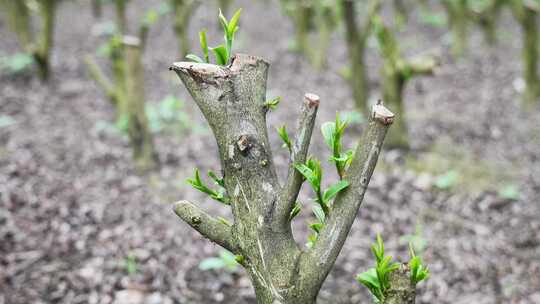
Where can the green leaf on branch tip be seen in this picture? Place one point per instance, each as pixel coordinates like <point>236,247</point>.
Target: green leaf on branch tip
<point>331,192</point>
<point>295,211</point>
<point>282,131</point>
<point>204,45</point>
<point>221,54</point>
<point>419,272</point>
<point>233,24</point>
<point>194,58</point>
<point>378,249</point>
<point>273,103</point>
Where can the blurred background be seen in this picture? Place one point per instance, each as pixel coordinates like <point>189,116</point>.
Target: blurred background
<point>85,214</point>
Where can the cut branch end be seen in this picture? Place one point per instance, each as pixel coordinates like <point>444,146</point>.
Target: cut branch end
<point>382,114</point>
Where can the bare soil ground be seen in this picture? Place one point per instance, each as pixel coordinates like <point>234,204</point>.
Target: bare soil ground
<point>72,208</point>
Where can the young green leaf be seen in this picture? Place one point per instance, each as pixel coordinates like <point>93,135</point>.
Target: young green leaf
<point>273,103</point>
<point>194,58</point>
<point>371,281</point>
<point>295,211</point>
<point>331,192</point>
<point>204,45</point>
<point>316,227</point>
<point>232,27</point>
<point>328,130</point>
<point>221,54</point>
<point>218,180</point>
<point>219,195</point>
<point>282,131</point>
<point>223,21</point>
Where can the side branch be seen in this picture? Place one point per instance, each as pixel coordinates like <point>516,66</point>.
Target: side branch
<point>318,261</point>
<point>97,74</point>
<point>299,152</point>
<point>208,226</point>
<point>425,65</point>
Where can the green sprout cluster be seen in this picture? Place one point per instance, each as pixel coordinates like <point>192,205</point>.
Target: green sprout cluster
<point>222,52</point>
<point>219,195</point>
<point>312,172</point>
<point>332,133</point>
<point>377,279</point>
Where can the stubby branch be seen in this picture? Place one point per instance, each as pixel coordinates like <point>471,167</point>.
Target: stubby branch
<point>317,262</point>
<point>208,226</point>
<point>299,152</point>
<point>402,290</point>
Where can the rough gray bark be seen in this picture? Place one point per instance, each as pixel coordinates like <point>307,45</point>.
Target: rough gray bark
<point>232,99</point>
<point>402,289</point>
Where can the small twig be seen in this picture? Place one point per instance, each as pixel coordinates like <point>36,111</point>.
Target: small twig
<point>210,227</point>
<point>299,152</point>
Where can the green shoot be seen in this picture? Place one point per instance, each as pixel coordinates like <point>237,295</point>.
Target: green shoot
<point>333,133</point>
<point>222,52</point>
<point>282,131</point>
<point>295,211</point>
<point>377,279</point>
<point>419,272</point>
<point>218,195</point>
<point>273,103</point>
<point>312,172</point>
<point>204,45</point>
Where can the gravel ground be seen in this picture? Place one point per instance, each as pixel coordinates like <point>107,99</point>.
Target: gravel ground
<point>72,208</point>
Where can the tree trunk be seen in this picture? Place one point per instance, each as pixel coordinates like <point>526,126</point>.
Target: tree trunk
<point>356,40</point>
<point>457,17</point>
<point>232,99</point>
<point>530,55</point>
<point>18,17</point>
<point>42,53</point>
<point>140,136</point>
<point>183,10</point>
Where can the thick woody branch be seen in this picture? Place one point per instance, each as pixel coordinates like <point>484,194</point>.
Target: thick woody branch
<point>402,290</point>
<point>317,262</point>
<point>299,152</point>
<point>208,226</point>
